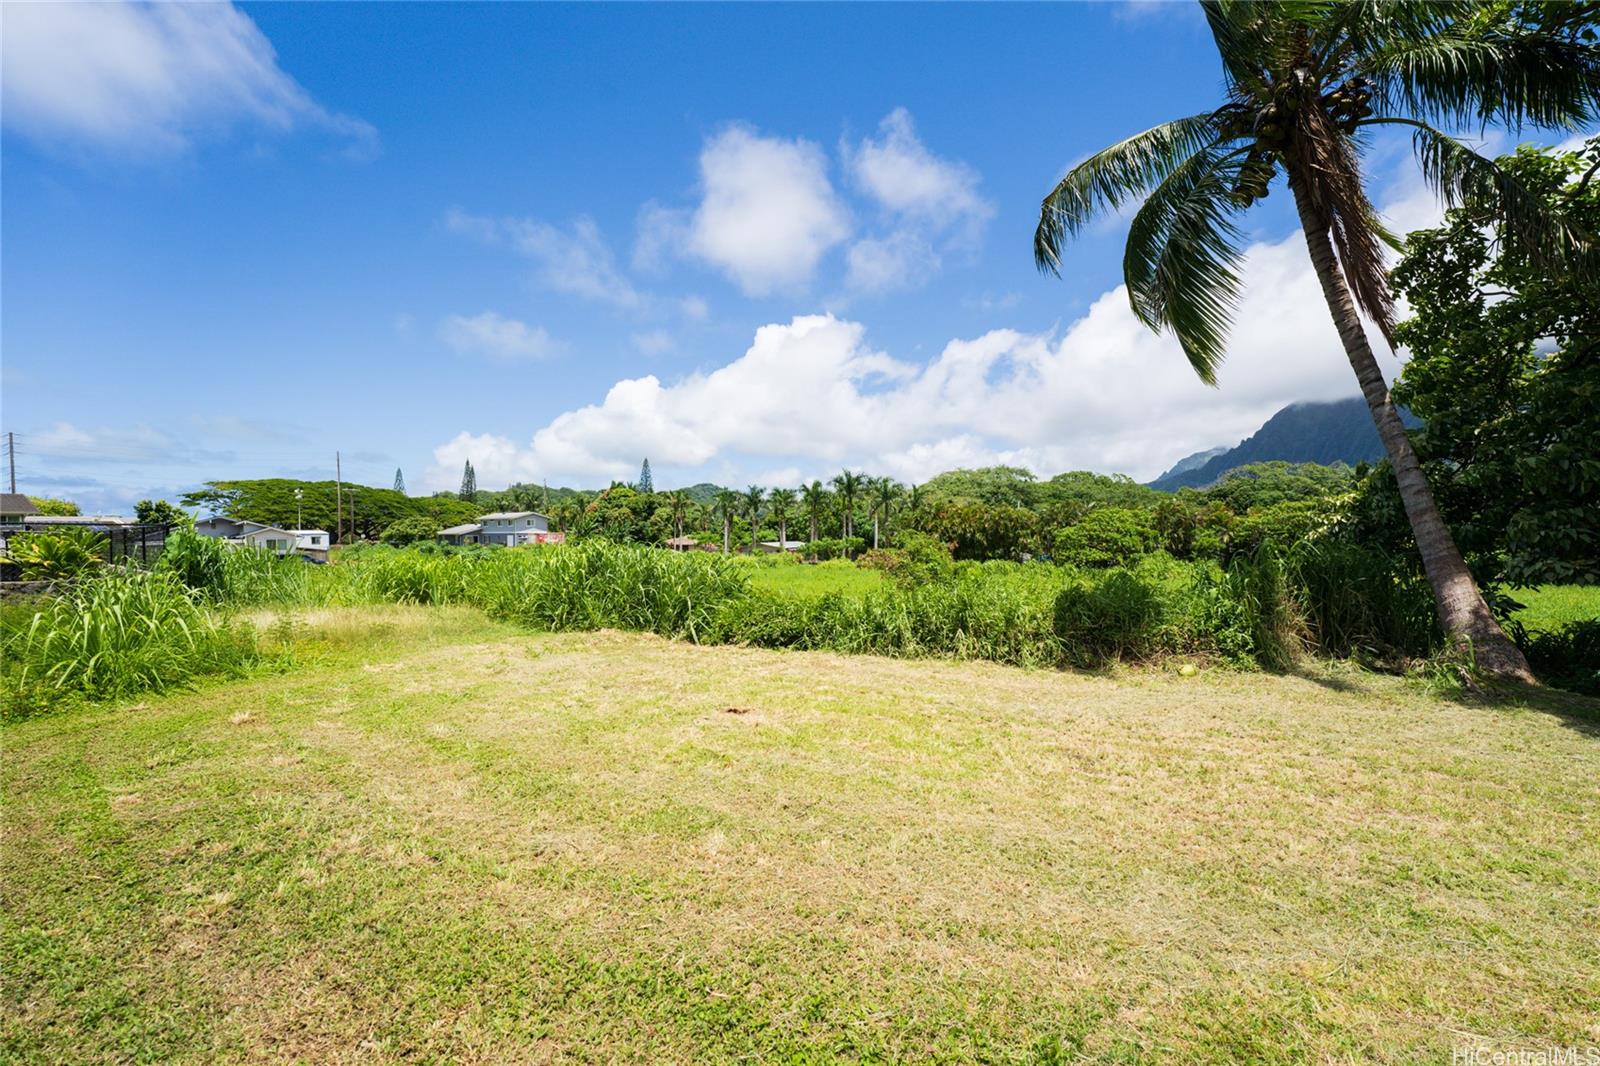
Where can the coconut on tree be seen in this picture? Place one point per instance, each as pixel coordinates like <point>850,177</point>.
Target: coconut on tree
<point>1305,83</point>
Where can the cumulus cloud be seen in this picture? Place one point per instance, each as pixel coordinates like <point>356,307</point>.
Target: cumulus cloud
<point>502,339</point>
<point>1105,393</point>
<point>576,260</point>
<point>926,205</point>
<point>767,215</point>
<point>148,79</point>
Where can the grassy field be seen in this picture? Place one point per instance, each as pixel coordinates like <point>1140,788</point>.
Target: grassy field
<point>438,838</point>
<point>1549,607</point>
<point>817,579</point>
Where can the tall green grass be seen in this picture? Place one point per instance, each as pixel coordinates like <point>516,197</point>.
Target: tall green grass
<point>118,635</point>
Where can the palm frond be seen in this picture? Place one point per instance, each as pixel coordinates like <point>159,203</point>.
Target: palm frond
<point>1473,75</point>
<point>1110,177</point>
<point>1182,255</point>
<point>1332,176</point>
<point>1463,178</point>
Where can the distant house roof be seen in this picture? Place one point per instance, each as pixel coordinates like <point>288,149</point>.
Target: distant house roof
<point>788,544</point>
<point>81,520</point>
<point>259,529</point>
<point>324,532</point>
<point>16,503</point>
<point>682,542</point>
<point>461,531</point>
<point>511,514</point>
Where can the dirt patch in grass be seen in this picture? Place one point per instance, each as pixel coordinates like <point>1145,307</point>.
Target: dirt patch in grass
<point>617,848</point>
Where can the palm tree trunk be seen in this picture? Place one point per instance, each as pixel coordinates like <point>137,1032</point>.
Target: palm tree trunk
<point>1463,614</point>
<point>813,526</point>
<point>727,531</point>
<point>874,532</point>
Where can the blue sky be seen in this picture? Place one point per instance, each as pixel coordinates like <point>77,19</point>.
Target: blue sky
<point>751,243</point>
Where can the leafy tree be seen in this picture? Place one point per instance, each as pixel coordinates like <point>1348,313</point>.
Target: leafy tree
<point>399,481</point>
<point>782,500</point>
<point>469,483</point>
<point>815,498</point>
<point>44,505</point>
<point>754,497</point>
<point>1303,80</point>
<point>980,531</point>
<point>1087,489</point>
<point>272,501</point>
<point>1261,484</point>
<point>1505,369</point>
<point>1009,486</point>
<point>159,513</point>
<point>646,482</point>
<point>678,504</point>
<point>1107,536</point>
<point>410,530</point>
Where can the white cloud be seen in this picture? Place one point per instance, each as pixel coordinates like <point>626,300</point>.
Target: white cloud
<point>899,172</point>
<point>502,339</point>
<point>576,261</point>
<point>767,216</point>
<point>695,308</point>
<point>882,264</point>
<point>148,79</point>
<point>927,206</point>
<point>654,342</point>
<point>812,394</point>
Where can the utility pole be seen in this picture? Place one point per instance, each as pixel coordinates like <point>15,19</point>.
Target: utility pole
<point>11,456</point>
<point>338,500</point>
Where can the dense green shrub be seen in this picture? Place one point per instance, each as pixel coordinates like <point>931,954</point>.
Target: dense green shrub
<point>1106,536</point>
<point>1357,601</point>
<point>1568,657</point>
<point>1279,524</point>
<point>834,548</point>
<point>63,554</point>
<point>120,634</point>
<point>410,530</point>
<point>1117,615</point>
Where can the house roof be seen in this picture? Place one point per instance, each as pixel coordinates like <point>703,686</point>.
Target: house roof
<point>259,528</point>
<point>16,503</point>
<point>786,544</point>
<point>459,531</point>
<point>682,542</point>
<point>81,520</point>
<point>511,514</point>
<point>324,532</point>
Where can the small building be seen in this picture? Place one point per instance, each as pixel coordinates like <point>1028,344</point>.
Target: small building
<point>511,528</point>
<point>466,533</point>
<point>681,544</point>
<point>312,543</point>
<point>773,546</point>
<point>273,539</point>
<point>14,507</point>
<point>223,526</point>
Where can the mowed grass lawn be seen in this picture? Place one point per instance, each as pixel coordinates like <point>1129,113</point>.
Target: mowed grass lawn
<point>437,839</point>
<point>1549,607</point>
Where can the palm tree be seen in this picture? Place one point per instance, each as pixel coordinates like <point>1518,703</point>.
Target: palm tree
<point>885,491</point>
<point>847,486</point>
<point>754,497</point>
<point>678,502</point>
<point>727,504</point>
<point>1303,81</point>
<point>781,500</point>
<point>816,501</point>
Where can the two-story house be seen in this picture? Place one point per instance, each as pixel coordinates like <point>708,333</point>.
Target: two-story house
<point>513,527</point>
